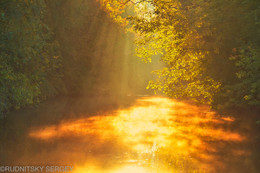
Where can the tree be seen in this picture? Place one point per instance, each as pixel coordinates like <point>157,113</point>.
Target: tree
<point>170,29</point>
<point>196,40</point>
<point>29,58</point>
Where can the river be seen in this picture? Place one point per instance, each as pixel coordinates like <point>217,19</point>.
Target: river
<point>141,134</point>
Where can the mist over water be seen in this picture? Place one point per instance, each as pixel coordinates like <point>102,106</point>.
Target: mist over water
<point>140,134</point>
<point>115,125</point>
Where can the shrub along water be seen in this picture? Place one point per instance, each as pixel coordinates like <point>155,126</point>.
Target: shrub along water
<point>29,55</point>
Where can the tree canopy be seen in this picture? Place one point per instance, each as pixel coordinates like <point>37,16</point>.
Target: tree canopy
<point>210,48</point>
<point>52,48</point>
<point>29,55</point>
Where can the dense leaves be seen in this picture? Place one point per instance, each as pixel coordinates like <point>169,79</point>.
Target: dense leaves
<point>55,48</point>
<point>210,48</point>
<point>29,56</point>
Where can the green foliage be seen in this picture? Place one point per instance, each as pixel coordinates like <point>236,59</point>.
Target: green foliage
<point>29,58</point>
<point>195,40</point>
<point>246,90</point>
<point>237,37</point>
<point>210,52</point>
<point>174,32</point>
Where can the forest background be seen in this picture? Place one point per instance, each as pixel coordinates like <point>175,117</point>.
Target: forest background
<point>210,49</point>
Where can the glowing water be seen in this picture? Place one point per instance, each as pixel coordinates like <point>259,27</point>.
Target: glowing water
<point>155,135</point>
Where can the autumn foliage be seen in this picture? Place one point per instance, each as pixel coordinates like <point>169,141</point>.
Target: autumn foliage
<point>210,48</point>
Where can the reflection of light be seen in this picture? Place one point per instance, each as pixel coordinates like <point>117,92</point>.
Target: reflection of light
<point>228,119</point>
<point>132,169</point>
<point>125,169</point>
<point>154,125</point>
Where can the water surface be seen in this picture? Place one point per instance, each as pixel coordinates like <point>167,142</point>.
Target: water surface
<point>140,135</point>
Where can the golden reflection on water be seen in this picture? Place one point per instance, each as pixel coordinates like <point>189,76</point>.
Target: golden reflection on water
<point>156,134</point>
